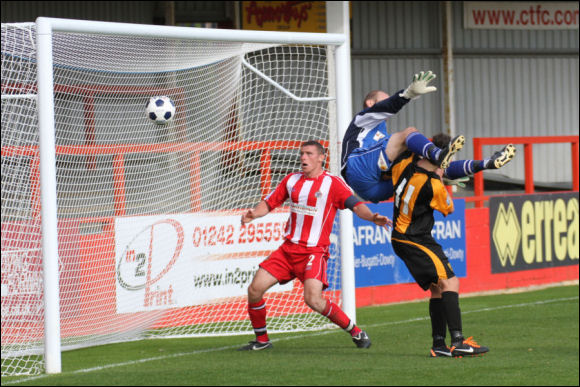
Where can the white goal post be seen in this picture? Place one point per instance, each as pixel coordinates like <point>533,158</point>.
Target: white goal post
<point>89,183</point>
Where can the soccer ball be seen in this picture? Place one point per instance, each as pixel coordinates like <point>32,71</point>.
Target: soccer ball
<point>160,110</point>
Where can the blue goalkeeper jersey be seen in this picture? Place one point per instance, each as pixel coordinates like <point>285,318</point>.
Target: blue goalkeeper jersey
<point>369,127</point>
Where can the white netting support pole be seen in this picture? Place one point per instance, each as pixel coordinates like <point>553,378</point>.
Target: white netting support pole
<point>337,21</point>
<point>48,198</point>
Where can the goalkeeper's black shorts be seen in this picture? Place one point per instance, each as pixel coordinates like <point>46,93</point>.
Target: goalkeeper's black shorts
<point>424,258</point>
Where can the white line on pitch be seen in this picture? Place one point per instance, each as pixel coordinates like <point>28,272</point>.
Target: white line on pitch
<point>181,354</point>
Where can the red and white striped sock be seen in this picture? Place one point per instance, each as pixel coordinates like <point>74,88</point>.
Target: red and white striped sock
<point>257,312</point>
<point>337,316</point>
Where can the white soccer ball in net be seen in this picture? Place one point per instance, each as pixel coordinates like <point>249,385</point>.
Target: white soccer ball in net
<point>160,110</point>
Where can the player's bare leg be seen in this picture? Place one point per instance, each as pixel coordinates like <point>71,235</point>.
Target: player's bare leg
<point>396,144</point>
<point>260,284</point>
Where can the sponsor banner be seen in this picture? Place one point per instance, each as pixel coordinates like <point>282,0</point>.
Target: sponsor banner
<point>22,277</point>
<point>533,231</point>
<point>180,260</point>
<point>377,264</point>
<point>520,15</point>
<point>299,16</point>
<point>22,287</point>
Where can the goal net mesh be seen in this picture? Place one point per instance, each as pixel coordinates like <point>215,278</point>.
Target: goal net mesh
<point>149,238</point>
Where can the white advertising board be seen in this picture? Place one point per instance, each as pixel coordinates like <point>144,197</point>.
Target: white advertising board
<point>181,260</point>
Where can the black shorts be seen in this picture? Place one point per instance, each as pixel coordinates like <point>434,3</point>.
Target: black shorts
<point>424,258</point>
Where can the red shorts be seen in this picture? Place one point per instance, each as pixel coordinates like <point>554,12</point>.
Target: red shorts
<point>291,261</point>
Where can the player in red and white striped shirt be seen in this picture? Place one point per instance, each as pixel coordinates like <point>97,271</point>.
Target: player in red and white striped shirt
<point>314,195</point>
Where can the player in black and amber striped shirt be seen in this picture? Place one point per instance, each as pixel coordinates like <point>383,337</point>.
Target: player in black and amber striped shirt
<point>418,192</point>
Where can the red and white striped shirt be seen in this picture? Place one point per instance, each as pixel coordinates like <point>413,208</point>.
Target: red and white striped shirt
<point>313,206</point>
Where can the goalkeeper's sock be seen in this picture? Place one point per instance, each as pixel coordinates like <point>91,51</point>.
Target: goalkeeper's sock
<point>419,144</point>
<point>463,168</point>
<point>257,312</point>
<point>337,316</point>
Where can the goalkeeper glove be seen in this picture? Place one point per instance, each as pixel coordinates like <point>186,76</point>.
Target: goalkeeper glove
<point>459,182</point>
<point>419,85</point>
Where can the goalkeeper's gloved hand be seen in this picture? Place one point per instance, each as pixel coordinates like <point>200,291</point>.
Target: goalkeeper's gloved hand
<point>419,85</point>
<point>459,182</point>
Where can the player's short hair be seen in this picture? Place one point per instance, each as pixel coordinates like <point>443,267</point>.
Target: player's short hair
<point>315,143</point>
<point>372,95</point>
<point>440,140</point>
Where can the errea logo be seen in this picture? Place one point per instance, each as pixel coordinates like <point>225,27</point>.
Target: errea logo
<point>533,231</point>
<point>507,234</point>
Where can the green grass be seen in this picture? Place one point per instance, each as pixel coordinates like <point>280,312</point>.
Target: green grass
<point>533,340</point>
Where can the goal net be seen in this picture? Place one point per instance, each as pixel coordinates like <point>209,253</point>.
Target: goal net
<point>149,236</point>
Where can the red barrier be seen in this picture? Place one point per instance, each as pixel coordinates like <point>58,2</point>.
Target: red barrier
<point>478,144</point>
<point>119,152</point>
<point>90,258</point>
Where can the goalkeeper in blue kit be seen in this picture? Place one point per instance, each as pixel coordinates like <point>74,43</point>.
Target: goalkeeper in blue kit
<point>368,150</point>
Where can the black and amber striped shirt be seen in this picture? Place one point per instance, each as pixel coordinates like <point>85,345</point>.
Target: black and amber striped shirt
<point>417,193</point>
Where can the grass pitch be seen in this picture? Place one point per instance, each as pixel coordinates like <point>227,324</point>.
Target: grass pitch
<point>533,340</point>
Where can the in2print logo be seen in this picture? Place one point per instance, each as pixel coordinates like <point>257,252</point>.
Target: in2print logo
<point>136,269</point>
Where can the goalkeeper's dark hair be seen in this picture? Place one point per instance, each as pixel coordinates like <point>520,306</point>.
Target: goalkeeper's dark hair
<point>315,143</point>
<point>440,140</point>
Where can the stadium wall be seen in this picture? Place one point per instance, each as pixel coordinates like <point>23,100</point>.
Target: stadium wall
<point>544,226</point>
<point>475,267</point>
